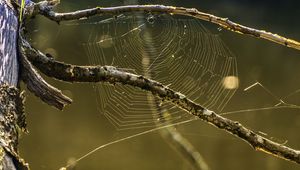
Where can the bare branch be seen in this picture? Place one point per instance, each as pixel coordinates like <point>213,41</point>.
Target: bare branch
<point>45,9</point>
<point>113,75</point>
<point>37,85</point>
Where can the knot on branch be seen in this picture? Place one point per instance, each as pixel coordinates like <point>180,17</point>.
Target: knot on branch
<point>44,7</point>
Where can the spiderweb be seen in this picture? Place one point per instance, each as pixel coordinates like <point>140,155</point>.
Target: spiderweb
<point>180,53</point>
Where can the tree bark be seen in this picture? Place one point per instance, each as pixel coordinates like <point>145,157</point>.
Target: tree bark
<point>9,68</point>
<point>12,118</point>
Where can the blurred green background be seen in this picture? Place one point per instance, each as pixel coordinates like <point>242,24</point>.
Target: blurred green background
<point>57,137</point>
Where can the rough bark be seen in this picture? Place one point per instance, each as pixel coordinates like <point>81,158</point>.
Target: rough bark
<point>12,121</point>
<point>38,86</point>
<point>12,118</point>
<point>9,67</point>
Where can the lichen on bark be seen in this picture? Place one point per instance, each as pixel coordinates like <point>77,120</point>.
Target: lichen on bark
<point>12,121</point>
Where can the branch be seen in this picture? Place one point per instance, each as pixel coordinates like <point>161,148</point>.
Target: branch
<point>113,75</point>
<point>37,85</point>
<point>45,8</point>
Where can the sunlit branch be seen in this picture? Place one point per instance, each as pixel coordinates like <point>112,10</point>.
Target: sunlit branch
<point>44,8</point>
<point>112,75</point>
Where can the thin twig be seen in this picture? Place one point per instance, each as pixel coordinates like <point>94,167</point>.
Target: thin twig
<point>45,9</point>
<point>112,75</point>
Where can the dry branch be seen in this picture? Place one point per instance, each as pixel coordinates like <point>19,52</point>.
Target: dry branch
<point>112,75</point>
<point>44,8</point>
<point>38,86</point>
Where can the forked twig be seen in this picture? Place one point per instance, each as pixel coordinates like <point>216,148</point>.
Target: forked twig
<point>44,8</point>
<point>113,75</point>
<point>38,86</point>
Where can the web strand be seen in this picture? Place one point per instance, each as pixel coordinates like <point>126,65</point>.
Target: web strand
<point>124,139</point>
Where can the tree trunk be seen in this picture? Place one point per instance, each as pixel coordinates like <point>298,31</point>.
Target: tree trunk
<point>11,100</point>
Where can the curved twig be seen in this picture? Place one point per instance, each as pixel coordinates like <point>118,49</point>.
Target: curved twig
<point>44,8</point>
<point>112,75</point>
